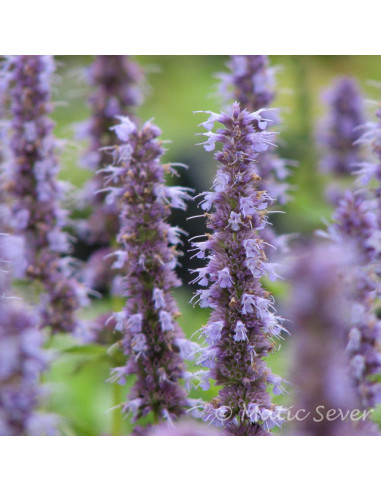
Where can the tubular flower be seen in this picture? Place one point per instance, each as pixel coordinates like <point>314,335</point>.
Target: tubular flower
<point>117,82</point>
<point>320,313</point>
<point>22,359</point>
<point>242,327</point>
<point>36,192</point>
<point>151,338</point>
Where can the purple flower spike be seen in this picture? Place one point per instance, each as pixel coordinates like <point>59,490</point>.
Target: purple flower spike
<point>242,326</point>
<point>338,134</point>
<point>320,314</point>
<point>22,359</point>
<point>37,192</point>
<point>151,338</point>
<point>251,81</point>
<point>117,82</point>
<point>358,222</point>
<point>342,128</point>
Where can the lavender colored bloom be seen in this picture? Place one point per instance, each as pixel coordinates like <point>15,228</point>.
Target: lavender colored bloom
<point>152,339</point>
<point>36,191</point>
<point>117,82</point>
<point>342,128</point>
<point>238,339</point>
<point>22,359</point>
<point>320,313</point>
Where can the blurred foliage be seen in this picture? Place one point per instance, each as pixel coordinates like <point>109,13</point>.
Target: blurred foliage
<point>179,85</point>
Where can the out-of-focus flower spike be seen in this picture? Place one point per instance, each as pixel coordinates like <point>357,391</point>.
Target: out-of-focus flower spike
<point>36,192</point>
<point>320,311</point>
<point>22,358</point>
<point>358,223</point>
<point>338,133</point>
<point>118,85</point>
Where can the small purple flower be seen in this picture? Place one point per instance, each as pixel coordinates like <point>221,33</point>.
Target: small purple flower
<point>202,278</point>
<point>124,129</point>
<point>251,248</point>
<point>240,332</point>
<point>277,382</point>
<point>212,332</point>
<point>248,303</point>
<point>224,278</point>
<point>235,221</point>
<point>207,203</point>
<point>134,323</point>
<point>247,206</point>
<point>138,343</point>
<point>158,298</point>
<point>165,321</point>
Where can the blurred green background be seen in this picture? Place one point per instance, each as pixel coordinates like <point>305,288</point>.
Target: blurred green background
<point>179,85</point>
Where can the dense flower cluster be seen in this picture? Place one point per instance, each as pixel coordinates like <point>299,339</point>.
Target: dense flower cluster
<point>320,313</point>
<point>151,337</point>
<point>250,81</point>
<point>357,221</point>
<point>117,82</point>
<point>22,359</point>
<point>342,128</point>
<point>36,191</point>
<point>242,327</point>
<point>124,221</point>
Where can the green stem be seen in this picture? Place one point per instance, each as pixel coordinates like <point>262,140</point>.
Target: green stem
<point>155,417</point>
